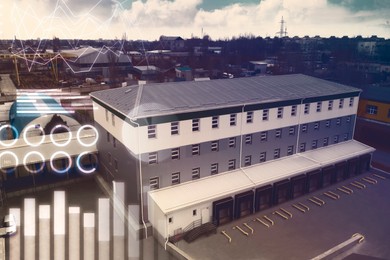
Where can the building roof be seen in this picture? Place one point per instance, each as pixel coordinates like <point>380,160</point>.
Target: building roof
<point>380,94</point>
<point>192,96</point>
<point>90,55</point>
<point>219,186</point>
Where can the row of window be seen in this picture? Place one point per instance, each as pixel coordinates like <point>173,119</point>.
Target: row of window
<point>249,117</point>
<point>195,174</point>
<point>328,123</point>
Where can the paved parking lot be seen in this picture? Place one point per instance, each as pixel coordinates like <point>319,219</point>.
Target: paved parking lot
<point>306,235</point>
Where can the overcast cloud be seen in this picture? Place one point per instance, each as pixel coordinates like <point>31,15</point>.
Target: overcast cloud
<point>148,19</point>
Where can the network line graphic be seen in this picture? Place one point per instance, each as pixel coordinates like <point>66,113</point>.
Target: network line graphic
<point>64,20</point>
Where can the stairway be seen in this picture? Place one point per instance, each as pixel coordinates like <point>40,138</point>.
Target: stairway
<point>197,232</point>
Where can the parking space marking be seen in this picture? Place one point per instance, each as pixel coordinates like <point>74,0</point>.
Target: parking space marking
<point>357,185</point>
<point>361,184</point>
<point>299,208</point>
<point>370,180</point>
<point>348,189</point>
<point>303,205</point>
<point>287,212</point>
<point>242,231</point>
<point>379,176</point>
<point>315,202</point>
<point>270,220</point>
<point>331,195</point>
<point>334,194</point>
<point>280,214</point>
<point>226,235</point>
<point>262,222</point>
<point>251,229</point>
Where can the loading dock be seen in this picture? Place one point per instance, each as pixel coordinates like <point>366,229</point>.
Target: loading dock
<point>263,198</point>
<point>328,175</point>
<point>243,204</point>
<point>341,172</point>
<point>313,180</point>
<point>353,167</point>
<point>282,191</point>
<point>223,211</point>
<point>364,163</point>
<point>298,186</point>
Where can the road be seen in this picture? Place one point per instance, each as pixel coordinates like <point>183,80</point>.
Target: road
<point>7,87</point>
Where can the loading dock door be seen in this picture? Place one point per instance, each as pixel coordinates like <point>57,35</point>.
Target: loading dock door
<point>243,204</point>
<point>298,186</point>
<point>364,164</point>
<point>223,211</point>
<point>341,172</point>
<point>328,175</point>
<point>313,180</point>
<point>282,191</point>
<point>263,198</point>
<point>353,166</point>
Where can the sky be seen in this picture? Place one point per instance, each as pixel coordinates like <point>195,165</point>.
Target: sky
<point>220,19</point>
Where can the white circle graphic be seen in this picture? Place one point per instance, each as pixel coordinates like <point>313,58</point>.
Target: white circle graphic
<point>1,160</point>
<point>63,170</point>
<point>26,139</point>
<point>79,138</point>
<point>42,162</point>
<point>59,127</point>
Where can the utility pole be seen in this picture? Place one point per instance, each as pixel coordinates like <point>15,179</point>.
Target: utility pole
<point>283,31</point>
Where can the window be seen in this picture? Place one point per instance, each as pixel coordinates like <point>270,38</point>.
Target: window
<point>302,147</point>
<point>336,139</point>
<point>170,220</point>
<point>108,137</point>
<point>248,139</point>
<point>232,165</point>
<point>371,109</point>
<point>107,116</point>
<point>319,106</point>
<point>194,213</point>
<point>330,105</point>
<point>249,117</point>
<point>314,144</point>
<point>338,121</point>
<point>263,156</point>
<point>174,128</point>
<point>345,136</point>
<point>326,141</point>
<point>214,122</point>
<point>341,103</point>
<point>351,102</point>
<point>195,125</point>
<point>175,153</point>
<point>154,183</point>
<point>304,128</point>
<point>113,119</point>
<point>265,114</point>
<point>316,125</point>
<point>233,119</point>
<point>291,130</point>
<point>293,110</point>
<point>195,149</point>
<point>327,123</point>
<point>247,160</point>
<point>109,158</point>
<point>214,168</point>
<point>196,173</point>
<point>348,119</point>
<point>232,142</point>
<point>175,178</point>
<point>278,133</point>
<point>290,149</point>
<point>114,142</point>
<point>277,153</point>
<point>263,136</point>
<point>388,114</point>
<point>151,131</point>
<point>280,112</point>
<point>214,146</point>
<point>307,109</point>
<point>153,158</point>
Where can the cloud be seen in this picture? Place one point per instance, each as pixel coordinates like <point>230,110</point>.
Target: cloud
<point>148,19</point>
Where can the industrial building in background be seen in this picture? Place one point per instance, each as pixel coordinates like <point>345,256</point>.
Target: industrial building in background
<point>202,152</point>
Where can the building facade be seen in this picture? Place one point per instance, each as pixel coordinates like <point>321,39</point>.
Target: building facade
<point>171,139</point>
